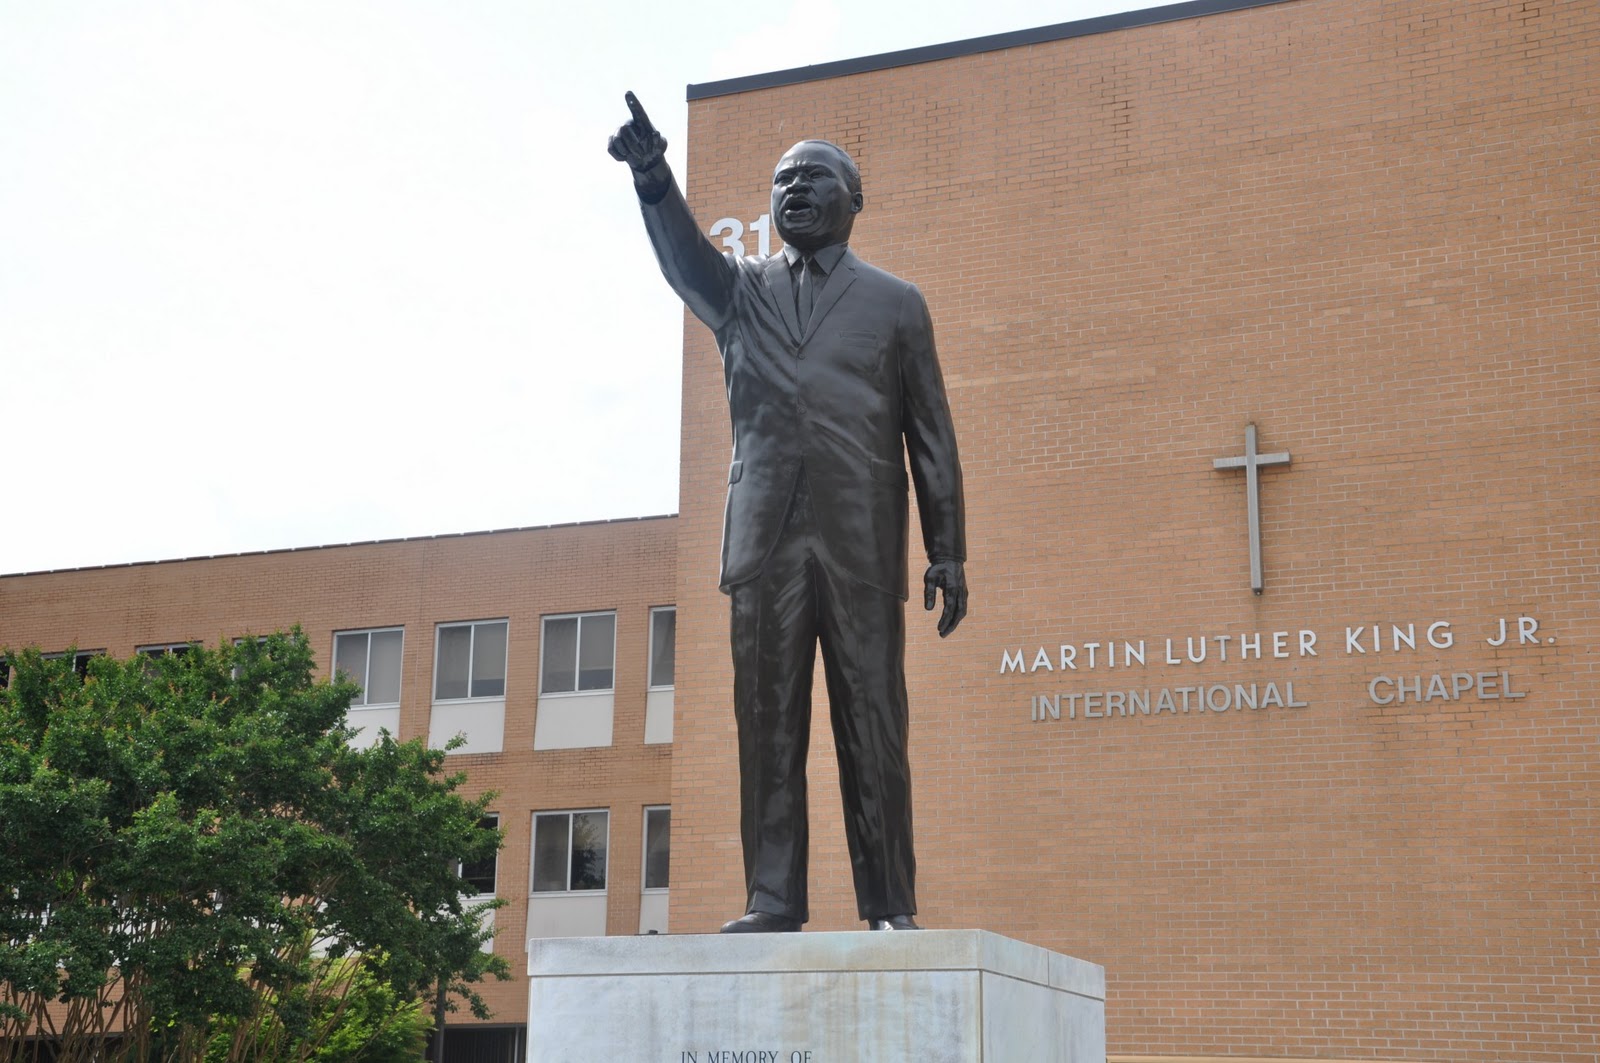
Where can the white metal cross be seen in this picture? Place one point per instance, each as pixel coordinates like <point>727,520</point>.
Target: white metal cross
<point>1251,462</point>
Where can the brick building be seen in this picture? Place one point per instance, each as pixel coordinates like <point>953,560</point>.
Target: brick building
<point>1369,229</point>
<point>549,649</point>
<point>1350,817</point>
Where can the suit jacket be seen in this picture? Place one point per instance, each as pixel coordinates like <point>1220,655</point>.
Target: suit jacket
<point>847,400</point>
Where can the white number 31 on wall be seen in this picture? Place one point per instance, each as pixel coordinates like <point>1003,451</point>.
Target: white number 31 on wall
<point>731,232</point>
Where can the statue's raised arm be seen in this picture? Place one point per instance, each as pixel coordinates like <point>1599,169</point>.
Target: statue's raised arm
<point>696,270</point>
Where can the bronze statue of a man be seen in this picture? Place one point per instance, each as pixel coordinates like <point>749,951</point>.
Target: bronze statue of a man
<point>832,383</point>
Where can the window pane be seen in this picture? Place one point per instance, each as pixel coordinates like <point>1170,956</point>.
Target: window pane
<point>455,649</point>
<point>589,850</point>
<point>383,670</point>
<point>560,656</point>
<point>657,847</point>
<point>479,875</point>
<point>80,661</point>
<point>489,660</point>
<point>663,646</point>
<point>596,651</point>
<point>550,853</point>
<point>350,657</point>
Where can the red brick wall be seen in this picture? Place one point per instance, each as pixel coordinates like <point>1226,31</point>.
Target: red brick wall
<point>1371,229</point>
<point>521,575</point>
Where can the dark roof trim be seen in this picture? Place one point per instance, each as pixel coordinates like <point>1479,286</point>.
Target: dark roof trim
<point>993,43</point>
<point>339,546</point>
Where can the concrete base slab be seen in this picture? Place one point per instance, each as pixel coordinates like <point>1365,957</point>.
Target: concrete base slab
<point>962,996</point>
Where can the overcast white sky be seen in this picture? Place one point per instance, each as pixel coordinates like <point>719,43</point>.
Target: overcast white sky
<point>292,273</point>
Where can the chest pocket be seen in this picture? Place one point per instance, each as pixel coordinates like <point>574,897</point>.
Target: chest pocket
<point>861,351</point>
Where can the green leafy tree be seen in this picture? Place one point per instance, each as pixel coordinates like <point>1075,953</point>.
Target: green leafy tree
<point>349,1014</point>
<point>187,841</point>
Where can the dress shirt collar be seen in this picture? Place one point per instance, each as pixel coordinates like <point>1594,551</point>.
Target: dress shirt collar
<point>826,259</point>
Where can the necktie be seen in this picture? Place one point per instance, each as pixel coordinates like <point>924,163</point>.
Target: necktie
<point>804,291</point>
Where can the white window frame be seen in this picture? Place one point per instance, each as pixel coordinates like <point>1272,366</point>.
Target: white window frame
<point>80,660</point>
<point>644,849</point>
<point>650,658</point>
<point>399,687</point>
<point>460,864</point>
<point>577,654</point>
<point>472,653</point>
<point>161,649</point>
<point>533,853</point>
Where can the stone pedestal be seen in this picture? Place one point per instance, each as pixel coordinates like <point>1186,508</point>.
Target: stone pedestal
<point>935,996</point>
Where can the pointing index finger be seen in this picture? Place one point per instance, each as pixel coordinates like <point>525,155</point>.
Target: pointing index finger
<point>640,119</point>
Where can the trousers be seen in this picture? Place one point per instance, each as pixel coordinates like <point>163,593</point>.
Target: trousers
<point>799,602</point>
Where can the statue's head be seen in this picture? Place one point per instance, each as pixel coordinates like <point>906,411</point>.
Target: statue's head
<point>816,195</point>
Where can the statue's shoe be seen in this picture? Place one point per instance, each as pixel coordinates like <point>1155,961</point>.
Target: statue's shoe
<point>761,923</point>
<point>891,922</point>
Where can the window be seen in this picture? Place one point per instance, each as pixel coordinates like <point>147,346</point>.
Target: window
<point>471,661</point>
<point>579,653</point>
<point>479,875</point>
<point>260,640</point>
<point>480,1044</point>
<point>80,660</point>
<point>169,649</point>
<point>657,846</point>
<point>469,686</point>
<point>577,671</point>
<point>663,645</point>
<point>371,659</point>
<point>176,649</point>
<point>569,851</point>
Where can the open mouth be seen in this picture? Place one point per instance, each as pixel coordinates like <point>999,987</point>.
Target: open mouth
<point>797,209</point>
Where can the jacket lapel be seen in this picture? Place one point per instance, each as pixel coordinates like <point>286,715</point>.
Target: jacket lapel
<point>844,275</point>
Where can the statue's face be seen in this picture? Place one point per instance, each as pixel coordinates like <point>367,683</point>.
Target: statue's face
<point>812,205</point>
